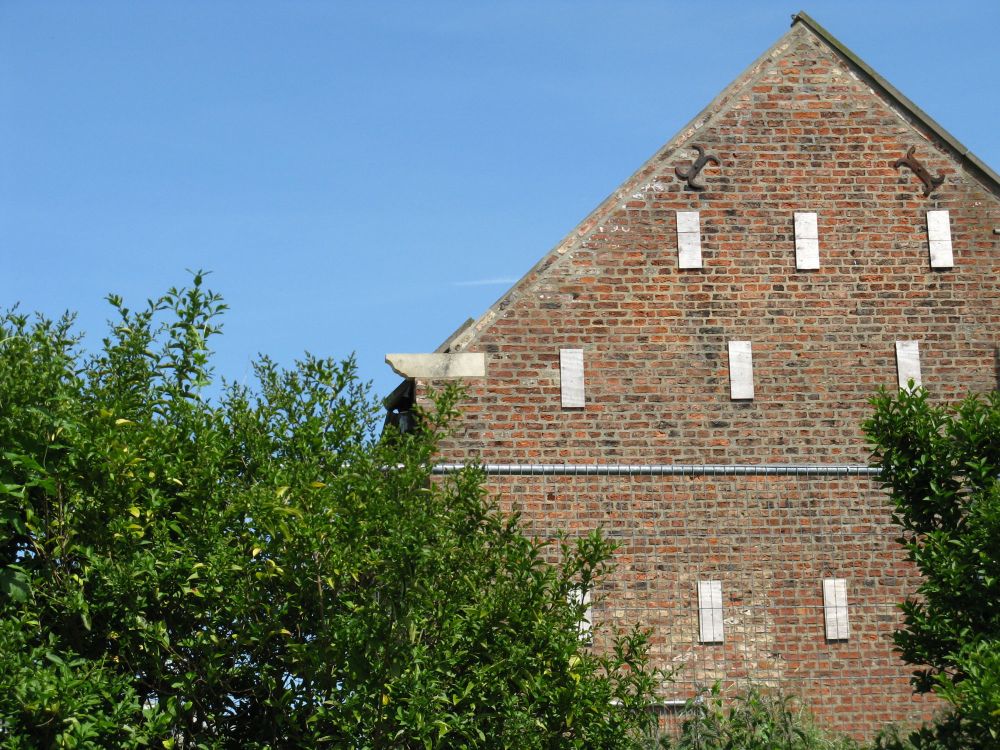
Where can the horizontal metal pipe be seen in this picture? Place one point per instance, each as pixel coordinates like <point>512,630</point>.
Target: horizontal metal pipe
<point>662,470</point>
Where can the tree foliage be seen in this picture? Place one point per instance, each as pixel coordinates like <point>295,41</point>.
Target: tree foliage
<point>259,568</point>
<point>941,466</point>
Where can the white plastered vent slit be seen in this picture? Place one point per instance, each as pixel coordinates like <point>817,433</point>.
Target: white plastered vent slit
<point>908,363</point>
<point>939,239</point>
<point>806,241</point>
<point>688,239</point>
<point>710,622</point>
<point>835,611</point>
<point>581,596</point>
<point>740,370</point>
<point>571,378</point>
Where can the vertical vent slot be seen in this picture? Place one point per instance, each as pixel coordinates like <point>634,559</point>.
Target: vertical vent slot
<point>571,378</point>
<point>688,239</point>
<point>806,241</point>
<point>939,239</point>
<point>908,363</point>
<point>740,370</point>
<point>710,624</point>
<point>835,609</point>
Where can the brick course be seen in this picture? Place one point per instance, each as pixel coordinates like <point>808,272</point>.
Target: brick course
<point>803,130</point>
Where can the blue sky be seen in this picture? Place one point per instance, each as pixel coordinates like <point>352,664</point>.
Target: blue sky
<point>365,176</point>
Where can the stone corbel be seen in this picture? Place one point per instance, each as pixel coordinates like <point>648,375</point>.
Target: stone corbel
<point>438,366</point>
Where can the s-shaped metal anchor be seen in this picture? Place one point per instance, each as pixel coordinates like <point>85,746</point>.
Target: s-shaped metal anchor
<point>930,183</point>
<point>699,164</point>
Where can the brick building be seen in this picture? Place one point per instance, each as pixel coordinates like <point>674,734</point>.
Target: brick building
<point>689,368</point>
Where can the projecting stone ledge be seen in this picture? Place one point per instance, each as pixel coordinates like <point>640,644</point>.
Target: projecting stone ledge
<point>434,366</point>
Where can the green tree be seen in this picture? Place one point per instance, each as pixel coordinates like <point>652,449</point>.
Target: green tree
<point>260,568</point>
<point>941,467</point>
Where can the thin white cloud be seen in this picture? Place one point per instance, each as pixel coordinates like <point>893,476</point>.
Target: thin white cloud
<point>484,282</point>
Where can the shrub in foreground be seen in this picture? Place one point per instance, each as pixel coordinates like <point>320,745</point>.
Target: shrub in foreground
<point>260,568</point>
<point>941,467</point>
<point>754,719</point>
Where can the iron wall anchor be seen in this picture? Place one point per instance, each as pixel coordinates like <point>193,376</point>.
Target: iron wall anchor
<point>698,165</point>
<point>930,183</point>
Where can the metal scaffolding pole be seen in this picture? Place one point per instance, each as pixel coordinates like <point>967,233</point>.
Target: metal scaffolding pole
<point>661,470</point>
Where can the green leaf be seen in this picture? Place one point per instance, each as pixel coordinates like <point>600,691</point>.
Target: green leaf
<point>14,585</point>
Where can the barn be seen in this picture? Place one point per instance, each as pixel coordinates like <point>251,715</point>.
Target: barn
<point>689,369</point>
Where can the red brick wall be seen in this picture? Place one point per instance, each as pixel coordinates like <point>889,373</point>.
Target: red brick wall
<point>770,540</point>
<point>801,131</point>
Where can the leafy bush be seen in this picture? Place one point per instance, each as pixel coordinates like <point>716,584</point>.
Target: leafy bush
<point>941,466</point>
<point>261,569</point>
<point>756,719</point>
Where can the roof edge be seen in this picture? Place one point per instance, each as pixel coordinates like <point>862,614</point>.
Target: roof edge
<point>468,333</point>
<point>446,344</point>
<point>899,99</point>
